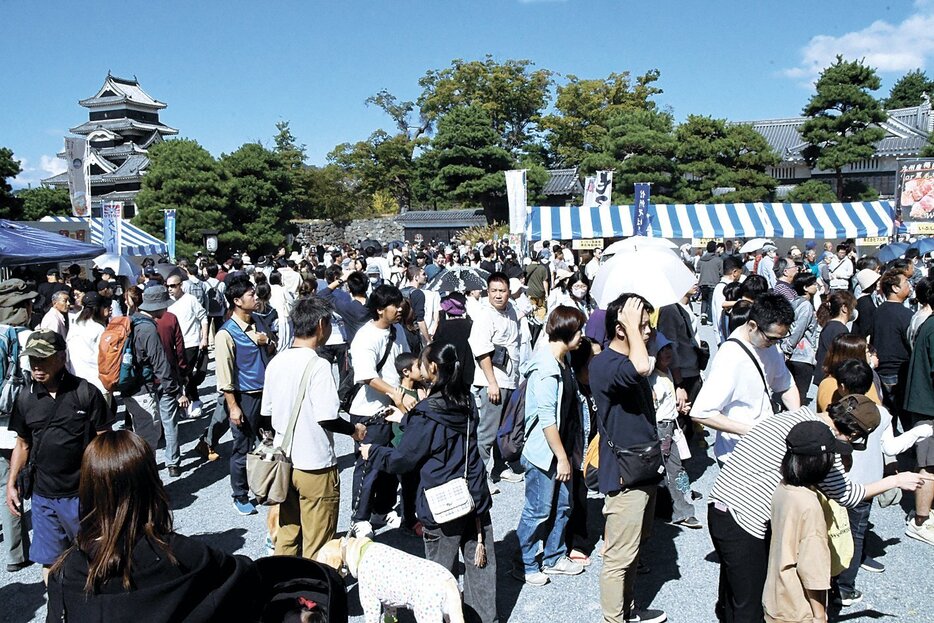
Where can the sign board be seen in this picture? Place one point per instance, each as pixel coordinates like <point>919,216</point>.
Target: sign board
<point>702,242</point>
<point>875,241</point>
<point>924,229</point>
<point>587,244</point>
<point>915,193</point>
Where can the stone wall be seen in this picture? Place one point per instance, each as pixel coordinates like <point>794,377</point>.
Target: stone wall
<point>384,229</point>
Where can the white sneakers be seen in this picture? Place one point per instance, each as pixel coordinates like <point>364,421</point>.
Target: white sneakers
<point>924,532</point>
<point>195,409</point>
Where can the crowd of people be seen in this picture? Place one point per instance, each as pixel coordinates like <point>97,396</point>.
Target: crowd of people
<point>424,372</point>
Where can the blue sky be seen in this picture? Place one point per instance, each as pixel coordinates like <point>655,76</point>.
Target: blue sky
<point>230,70</point>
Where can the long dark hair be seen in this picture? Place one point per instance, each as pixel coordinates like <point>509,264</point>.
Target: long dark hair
<point>450,382</point>
<point>120,500</point>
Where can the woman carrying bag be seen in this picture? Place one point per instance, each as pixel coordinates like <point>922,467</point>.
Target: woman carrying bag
<point>441,442</point>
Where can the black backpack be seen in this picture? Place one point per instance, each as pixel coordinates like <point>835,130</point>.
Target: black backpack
<point>217,304</point>
<point>511,434</point>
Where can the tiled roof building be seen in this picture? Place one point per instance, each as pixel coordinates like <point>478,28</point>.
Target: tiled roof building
<point>122,124</point>
<point>907,132</point>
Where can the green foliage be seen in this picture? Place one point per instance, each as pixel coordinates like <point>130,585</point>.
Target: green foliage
<point>511,93</point>
<point>928,150</point>
<point>857,190</point>
<point>841,129</point>
<point>907,91</point>
<point>468,161</point>
<point>9,168</point>
<point>639,146</point>
<point>183,176</point>
<point>380,165</point>
<point>585,107</point>
<point>41,201</point>
<point>258,188</point>
<point>812,191</point>
<point>325,193</point>
<point>714,154</point>
<point>482,233</point>
<point>289,151</point>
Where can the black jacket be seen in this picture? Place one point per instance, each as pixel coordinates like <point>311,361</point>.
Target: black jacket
<point>434,443</point>
<point>206,585</point>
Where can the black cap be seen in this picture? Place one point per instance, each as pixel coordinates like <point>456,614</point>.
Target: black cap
<point>813,438</point>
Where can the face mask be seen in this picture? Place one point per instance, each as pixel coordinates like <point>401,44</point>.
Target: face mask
<point>579,291</point>
<point>374,280</point>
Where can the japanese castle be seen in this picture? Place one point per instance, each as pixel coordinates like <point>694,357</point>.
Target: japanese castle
<point>122,124</point>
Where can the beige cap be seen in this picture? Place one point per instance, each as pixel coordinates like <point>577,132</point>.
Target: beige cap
<point>867,278</point>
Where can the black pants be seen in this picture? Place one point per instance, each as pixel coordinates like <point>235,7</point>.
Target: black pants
<point>706,295</point>
<point>374,491</point>
<point>576,532</point>
<point>803,374</point>
<point>193,363</point>
<point>744,562</point>
<point>244,439</point>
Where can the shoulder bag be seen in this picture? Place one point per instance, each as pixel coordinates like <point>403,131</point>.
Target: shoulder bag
<point>269,467</point>
<point>452,500</point>
<point>755,362</point>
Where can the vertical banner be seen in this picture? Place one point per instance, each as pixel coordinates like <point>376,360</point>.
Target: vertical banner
<point>598,190</point>
<point>79,182</point>
<point>517,194</point>
<point>111,225</point>
<point>640,212</point>
<point>170,233</point>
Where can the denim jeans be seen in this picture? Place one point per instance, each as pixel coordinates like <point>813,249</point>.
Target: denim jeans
<point>676,478</point>
<point>859,524</point>
<point>143,409</point>
<point>544,493</point>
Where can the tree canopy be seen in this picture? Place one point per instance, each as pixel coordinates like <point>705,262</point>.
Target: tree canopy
<point>38,202</point>
<point>842,116</point>
<point>909,90</point>
<point>9,168</point>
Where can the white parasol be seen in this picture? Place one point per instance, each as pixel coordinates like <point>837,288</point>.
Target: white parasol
<point>656,274</point>
<point>635,243</point>
<point>751,246</point>
<point>119,263</point>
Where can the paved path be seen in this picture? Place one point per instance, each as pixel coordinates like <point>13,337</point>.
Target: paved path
<point>682,580</point>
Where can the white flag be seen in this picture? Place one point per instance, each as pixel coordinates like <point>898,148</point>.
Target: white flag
<point>112,226</point>
<point>598,190</point>
<point>517,194</point>
<point>79,183</point>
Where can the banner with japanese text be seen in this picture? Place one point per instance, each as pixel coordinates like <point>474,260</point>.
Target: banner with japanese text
<point>640,212</point>
<point>517,196</point>
<point>112,226</point>
<point>79,182</point>
<point>170,233</point>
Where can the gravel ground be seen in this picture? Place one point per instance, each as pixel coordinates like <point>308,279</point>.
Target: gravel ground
<point>682,580</point>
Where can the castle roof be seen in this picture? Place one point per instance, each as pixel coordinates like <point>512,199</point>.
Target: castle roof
<point>121,91</point>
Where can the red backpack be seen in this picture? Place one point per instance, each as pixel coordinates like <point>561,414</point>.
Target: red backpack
<point>114,341</point>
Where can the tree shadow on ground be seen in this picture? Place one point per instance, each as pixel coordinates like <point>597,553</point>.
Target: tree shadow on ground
<point>507,587</point>
<point>197,477</point>
<point>21,601</point>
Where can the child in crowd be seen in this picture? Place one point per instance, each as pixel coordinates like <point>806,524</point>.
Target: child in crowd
<point>411,384</point>
<point>798,579</point>
<point>670,434</point>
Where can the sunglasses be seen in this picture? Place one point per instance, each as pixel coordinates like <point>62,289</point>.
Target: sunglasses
<point>773,339</point>
<point>173,285</point>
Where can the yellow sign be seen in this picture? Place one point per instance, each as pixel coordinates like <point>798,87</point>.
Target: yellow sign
<point>702,242</point>
<point>587,244</point>
<point>872,241</point>
<point>921,228</point>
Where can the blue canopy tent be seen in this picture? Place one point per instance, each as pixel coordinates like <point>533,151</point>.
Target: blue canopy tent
<point>21,244</point>
<point>135,241</point>
<point>820,221</point>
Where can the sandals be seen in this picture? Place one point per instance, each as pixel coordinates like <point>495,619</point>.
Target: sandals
<point>579,557</point>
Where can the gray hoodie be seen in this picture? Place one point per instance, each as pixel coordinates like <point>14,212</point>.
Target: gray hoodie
<point>709,269</point>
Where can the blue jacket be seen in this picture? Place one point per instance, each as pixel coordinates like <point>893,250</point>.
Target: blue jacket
<point>434,443</point>
<point>542,401</point>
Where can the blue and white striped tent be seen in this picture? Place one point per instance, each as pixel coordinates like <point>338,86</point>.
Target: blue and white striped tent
<point>134,240</point>
<point>821,221</point>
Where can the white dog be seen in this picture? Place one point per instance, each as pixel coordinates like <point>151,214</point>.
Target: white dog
<point>390,578</point>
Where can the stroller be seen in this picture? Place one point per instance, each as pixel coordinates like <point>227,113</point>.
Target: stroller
<point>295,589</point>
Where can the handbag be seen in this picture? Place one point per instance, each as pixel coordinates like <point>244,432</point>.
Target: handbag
<point>640,464</point>
<point>839,536</point>
<point>269,467</point>
<point>500,357</point>
<point>452,500</point>
<point>702,351</point>
<point>26,477</point>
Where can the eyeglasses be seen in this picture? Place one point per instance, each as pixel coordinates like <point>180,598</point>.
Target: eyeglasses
<point>773,339</point>
<point>173,285</point>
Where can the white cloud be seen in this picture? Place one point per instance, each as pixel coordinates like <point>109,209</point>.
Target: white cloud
<point>890,48</point>
<point>33,174</point>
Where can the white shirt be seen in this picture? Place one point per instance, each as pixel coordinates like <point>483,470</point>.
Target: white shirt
<point>716,305</point>
<point>492,327</point>
<point>591,268</point>
<point>432,310</point>
<point>290,279</point>
<point>83,345</point>
<point>734,388</point>
<point>385,270</point>
<point>190,315</point>
<point>312,446</point>
<point>366,350</point>
<point>663,394</point>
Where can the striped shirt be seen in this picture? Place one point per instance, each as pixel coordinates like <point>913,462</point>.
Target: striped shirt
<point>748,480</point>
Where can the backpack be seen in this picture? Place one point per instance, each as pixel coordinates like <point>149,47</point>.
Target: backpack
<point>217,303</point>
<point>11,372</point>
<point>511,434</point>
<point>196,289</point>
<point>117,363</point>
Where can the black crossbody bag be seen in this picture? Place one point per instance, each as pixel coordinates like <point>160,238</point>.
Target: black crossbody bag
<point>348,390</point>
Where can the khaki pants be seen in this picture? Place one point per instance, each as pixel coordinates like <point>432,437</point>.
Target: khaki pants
<point>308,517</point>
<point>629,515</point>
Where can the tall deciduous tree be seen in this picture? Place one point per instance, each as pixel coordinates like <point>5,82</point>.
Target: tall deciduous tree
<point>909,89</point>
<point>10,206</point>
<point>382,164</point>
<point>326,192</point>
<point>640,146</point>
<point>468,161</point>
<point>183,176</point>
<point>842,116</point>
<point>584,107</point>
<point>258,189</point>
<point>41,201</point>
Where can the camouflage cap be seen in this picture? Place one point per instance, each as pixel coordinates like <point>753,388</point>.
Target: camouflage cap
<point>42,344</point>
